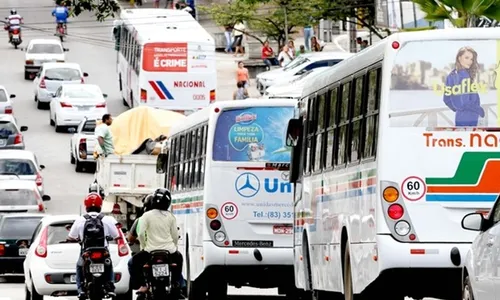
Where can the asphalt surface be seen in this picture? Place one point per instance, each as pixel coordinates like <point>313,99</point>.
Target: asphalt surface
<point>90,45</point>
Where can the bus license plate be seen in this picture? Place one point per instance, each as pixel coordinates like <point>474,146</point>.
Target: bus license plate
<point>96,268</point>
<point>72,278</point>
<point>23,251</point>
<point>160,270</point>
<point>282,229</point>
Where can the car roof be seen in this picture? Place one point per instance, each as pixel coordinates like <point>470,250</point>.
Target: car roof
<point>46,41</point>
<point>17,154</point>
<point>56,65</point>
<point>20,215</point>
<point>47,220</point>
<point>7,117</point>
<point>69,86</point>
<point>17,184</point>
<point>327,54</point>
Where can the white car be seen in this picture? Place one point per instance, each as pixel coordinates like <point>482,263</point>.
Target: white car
<point>82,144</point>
<point>6,101</point>
<point>18,195</point>
<point>50,265</point>
<point>480,271</point>
<point>11,136</point>
<point>22,164</point>
<point>51,76</point>
<point>292,88</point>
<point>299,66</point>
<point>74,102</point>
<point>40,51</point>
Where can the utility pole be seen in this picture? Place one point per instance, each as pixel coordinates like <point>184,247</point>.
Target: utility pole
<point>286,25</point>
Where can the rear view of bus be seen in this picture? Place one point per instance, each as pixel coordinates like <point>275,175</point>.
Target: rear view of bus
<point>249,200</point>
<point>439,159</point>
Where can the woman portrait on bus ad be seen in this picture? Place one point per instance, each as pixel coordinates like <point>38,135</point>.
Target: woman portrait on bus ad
<point>460,93</point>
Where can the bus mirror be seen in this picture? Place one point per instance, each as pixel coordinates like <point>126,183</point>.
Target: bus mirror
<point>293,132</point>
<point>161,163</point>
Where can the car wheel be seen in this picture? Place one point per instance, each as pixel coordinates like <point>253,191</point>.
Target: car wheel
<point>52,123</point>
<point>57,127</point>
<point>35,98</point>
<point>34,294</point>
<point>27,294</point>
<point>72,160</point>
<point>39,105</point>
<point>26,75</point>
<point>78,166</point>
<point>467,291</point>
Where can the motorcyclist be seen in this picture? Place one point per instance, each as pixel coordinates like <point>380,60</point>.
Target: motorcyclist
<point>14,21</point>
<point>157,230</point>
<point>93,205</point>
<point>61,13</point>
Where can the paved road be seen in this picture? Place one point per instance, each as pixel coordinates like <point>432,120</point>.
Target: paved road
<point>90,45</point>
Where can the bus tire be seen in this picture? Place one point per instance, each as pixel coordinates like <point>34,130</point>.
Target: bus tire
<point>217,289</point>
<point>467,293</point>
<point>348,290</point>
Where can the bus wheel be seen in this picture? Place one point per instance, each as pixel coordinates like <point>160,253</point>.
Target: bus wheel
<point>467,291</point>
<point>217,290</point>
<point>348,290</point>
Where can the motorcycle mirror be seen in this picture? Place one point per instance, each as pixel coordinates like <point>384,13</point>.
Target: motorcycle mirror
<point>66,49</point>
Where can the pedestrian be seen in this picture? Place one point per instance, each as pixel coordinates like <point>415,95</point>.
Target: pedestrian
<point>284,57</point>
<point>169,4</point>
<point>308,33</point>
<point>242,74</point>
<point>238,31</point>
<point>268,56</point>
<point>302,50</point>
<point>241,92</point>
<point>364,44</point>
<point>315,46</point>
<point>228,31</point>
<point>104,137</point>
<point>291,49</point>
<point>156,3</point>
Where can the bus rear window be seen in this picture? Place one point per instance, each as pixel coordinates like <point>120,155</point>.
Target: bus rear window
<point>252,134</point>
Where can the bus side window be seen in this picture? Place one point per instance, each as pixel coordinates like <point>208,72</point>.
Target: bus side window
<point>319,156</point>
<point>371,117</point>
<point>356,120</point>
<point>343,124</point>
<point>331,127</point>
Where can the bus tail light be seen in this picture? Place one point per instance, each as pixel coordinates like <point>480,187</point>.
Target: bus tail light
<point>212,96</point>
<point>391,194</point>
<point>212,213</point>
<point>395,211</point>
<point>215,225</point>
<point>144,96</point>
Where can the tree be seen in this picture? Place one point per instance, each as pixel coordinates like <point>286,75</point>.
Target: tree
<point>101,8</point>
<point>461,13</point>
<point>264,17</point>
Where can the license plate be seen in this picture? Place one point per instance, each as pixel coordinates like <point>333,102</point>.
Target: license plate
<point>3,142</point>
<point>96,268</point>
<point>83,108</point>
<point>23,251</point>
<point>282,229</point>
<point>72,278</point>
<point>160,270</point>
<point>15,36</point>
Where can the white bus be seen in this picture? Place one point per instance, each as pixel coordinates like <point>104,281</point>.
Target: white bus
<point>392,147</point>
<point>166,59</point>
<point>228,174</point>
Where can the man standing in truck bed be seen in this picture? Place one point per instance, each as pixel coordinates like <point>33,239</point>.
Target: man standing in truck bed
<point>104,136</point>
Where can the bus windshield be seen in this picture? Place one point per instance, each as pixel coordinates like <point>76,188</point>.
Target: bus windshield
<point>254,134</point>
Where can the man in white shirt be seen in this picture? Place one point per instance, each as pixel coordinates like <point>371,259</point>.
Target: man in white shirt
<point>239,30</point>
<point>157,230</point>
<point>93,204</point>
<point>14,21</point>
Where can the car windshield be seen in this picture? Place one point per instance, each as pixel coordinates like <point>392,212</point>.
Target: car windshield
<point>89,127</point>
<point>88,93</point>
<point>295,63</point>
<point>17,166</point>
<point>18,228</point>
<point>62,74</point>
<point>3,96</point>
<point>13,197</point>
<point>7,129</point>
<point>45,48</point>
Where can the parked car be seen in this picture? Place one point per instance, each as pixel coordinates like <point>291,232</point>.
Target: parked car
<point>299,66</point>
<point>51,77</point>
<point>6,101</point>
<point>22,164</point>
<point>16,231</point>
<point>49,267</point>
<point>11,136</point>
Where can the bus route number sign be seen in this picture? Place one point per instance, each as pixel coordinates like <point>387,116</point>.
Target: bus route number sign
<point>413,188</point>
<point>229,210</point>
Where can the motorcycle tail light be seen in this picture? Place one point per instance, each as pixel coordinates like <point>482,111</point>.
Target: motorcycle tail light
<point>96,255</point>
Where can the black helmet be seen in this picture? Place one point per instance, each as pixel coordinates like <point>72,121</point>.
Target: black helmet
<point>13,12</point>
<point>161,199</point>
<point>147,203</point>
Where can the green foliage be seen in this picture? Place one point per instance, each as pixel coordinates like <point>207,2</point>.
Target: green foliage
<point>264,17</point>
<point>101,8</point>
<point>461,13</point>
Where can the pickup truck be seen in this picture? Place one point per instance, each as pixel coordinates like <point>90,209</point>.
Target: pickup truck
<point>82,144</point>
<point>125,180</point>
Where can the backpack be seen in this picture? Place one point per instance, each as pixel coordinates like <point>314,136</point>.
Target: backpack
<point>93,232</point>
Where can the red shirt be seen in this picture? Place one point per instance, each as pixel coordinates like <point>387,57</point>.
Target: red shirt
<point>267,49</point>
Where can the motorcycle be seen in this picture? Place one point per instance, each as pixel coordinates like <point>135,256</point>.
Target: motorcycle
<point>15,38</point>
<point>157,272</point>
<point>61,31</point>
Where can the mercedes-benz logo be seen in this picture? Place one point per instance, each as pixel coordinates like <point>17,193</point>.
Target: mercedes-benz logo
<point>285,176</point>
<point>247,185</point>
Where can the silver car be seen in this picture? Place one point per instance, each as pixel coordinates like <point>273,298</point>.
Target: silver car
<point>21,164</point>
<point>21,196</point>
<point>5,101</point>
<point>11,136</point>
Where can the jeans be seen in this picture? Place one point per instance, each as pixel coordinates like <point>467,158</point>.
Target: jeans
<point>79,275</point>
<point>308,34</point>
<point>229,41</point>
<point>271,61</point>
